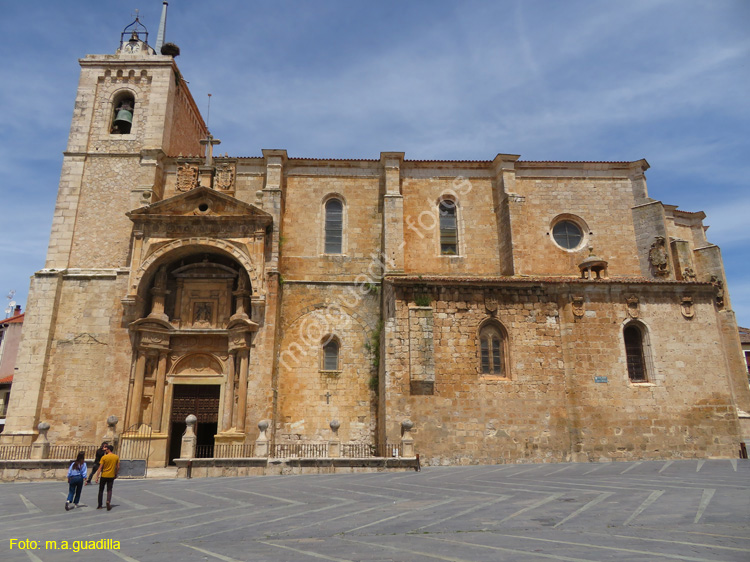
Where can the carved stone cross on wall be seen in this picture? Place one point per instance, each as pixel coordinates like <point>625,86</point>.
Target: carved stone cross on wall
<point>328,397</point>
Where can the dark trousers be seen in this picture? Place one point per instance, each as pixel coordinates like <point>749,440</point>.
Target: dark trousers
<point>75,485</point>
<point>108,482</point>
<point>93,471</point>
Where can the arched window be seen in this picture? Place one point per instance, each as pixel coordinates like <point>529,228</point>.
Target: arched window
<point>330,357</point>
<point>636,360</point>
<point>334,227</point>
<point>448,228</point>
<point>492,351</point>
<point>122,118</point>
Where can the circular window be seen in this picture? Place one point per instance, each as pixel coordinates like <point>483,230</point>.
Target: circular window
<point>203,207</point>
<point>567,234</point>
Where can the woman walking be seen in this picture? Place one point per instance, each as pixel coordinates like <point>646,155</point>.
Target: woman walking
<point>76,477</point>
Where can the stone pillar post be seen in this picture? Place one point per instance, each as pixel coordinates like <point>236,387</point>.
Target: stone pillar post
<point>242,390</point>
<point>393,213</point>
<point>407,442</point>
<point>40,447</point>
<point>226,420</point>
<point>134,414</point>
<point>334,445</point>
<point>261,443</point>
<point>111,436</point>
<point>161,373</point>
<point>189,439</point>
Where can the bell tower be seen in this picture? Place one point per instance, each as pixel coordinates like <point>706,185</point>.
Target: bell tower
<point>132,111</point>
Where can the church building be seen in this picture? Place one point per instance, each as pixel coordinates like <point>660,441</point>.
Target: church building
<point>511,310</point>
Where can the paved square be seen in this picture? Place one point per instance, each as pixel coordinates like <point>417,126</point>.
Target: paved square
<point>665,510</point>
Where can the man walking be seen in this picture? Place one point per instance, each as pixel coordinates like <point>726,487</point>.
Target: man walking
<point>100,452</point>
<point>109,467</point>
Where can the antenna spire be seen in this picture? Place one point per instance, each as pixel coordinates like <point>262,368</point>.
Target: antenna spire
<point>208,111</point>
<point>162,27</point>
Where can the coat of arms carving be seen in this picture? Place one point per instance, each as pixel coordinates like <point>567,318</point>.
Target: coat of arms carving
<point>577,306</point>
<point>187,177</point>
<point>225,177</point>
<point>686,307</point>
<point>490,303</point>
<point>658,257</point>
<point>633,304</point>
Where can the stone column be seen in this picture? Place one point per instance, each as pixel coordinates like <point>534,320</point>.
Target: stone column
<point>242,390</point>
<point>407,442</point>
<point>261,443</point>
<point>161,372</point>
<point>134,414</point>
<point>40,447</point>
<point>189,439</point>
<point>226,421</point>
<point>334,445</point>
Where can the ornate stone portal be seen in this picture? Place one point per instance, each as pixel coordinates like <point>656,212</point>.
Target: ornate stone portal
<point>198,330</point>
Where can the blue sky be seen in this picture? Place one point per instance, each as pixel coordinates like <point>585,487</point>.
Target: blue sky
<point>577,80</point>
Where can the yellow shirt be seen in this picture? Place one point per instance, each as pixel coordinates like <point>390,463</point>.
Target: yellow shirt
<point>109,464</point>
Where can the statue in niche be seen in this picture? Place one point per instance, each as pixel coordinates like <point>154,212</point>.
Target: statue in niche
<point>161,278</point>
<point>658,257</point>
<point>719,284</point>
<point>202,314</point>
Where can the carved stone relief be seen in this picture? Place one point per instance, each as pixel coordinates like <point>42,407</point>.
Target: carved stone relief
<point>688,274</point>
<point>203,314</point>
<point>200,364</point>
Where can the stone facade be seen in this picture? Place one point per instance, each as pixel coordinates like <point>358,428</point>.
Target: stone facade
<point>514,311</point>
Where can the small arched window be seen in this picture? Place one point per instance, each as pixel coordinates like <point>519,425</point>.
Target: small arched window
<point>330,357</point>
<point>636,361</point>
<point>448,228</point>
<point>122,118</point>
<point>492,351</point>
<point>334,226</point>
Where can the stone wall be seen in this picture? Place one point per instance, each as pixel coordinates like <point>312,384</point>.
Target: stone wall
<point>104,192</point>
<point>309,397</point>
<point>567,395</point>
<point>478,248</point>
<point>684,409</point>
<point>603,204</point>
<point>470,417</point>
<point>89,359</point>
<point>302,229</point>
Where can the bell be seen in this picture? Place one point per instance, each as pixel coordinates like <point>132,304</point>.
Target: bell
<point>124,118</point>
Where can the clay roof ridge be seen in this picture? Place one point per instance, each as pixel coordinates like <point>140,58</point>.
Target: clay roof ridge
<point>13,319</point>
